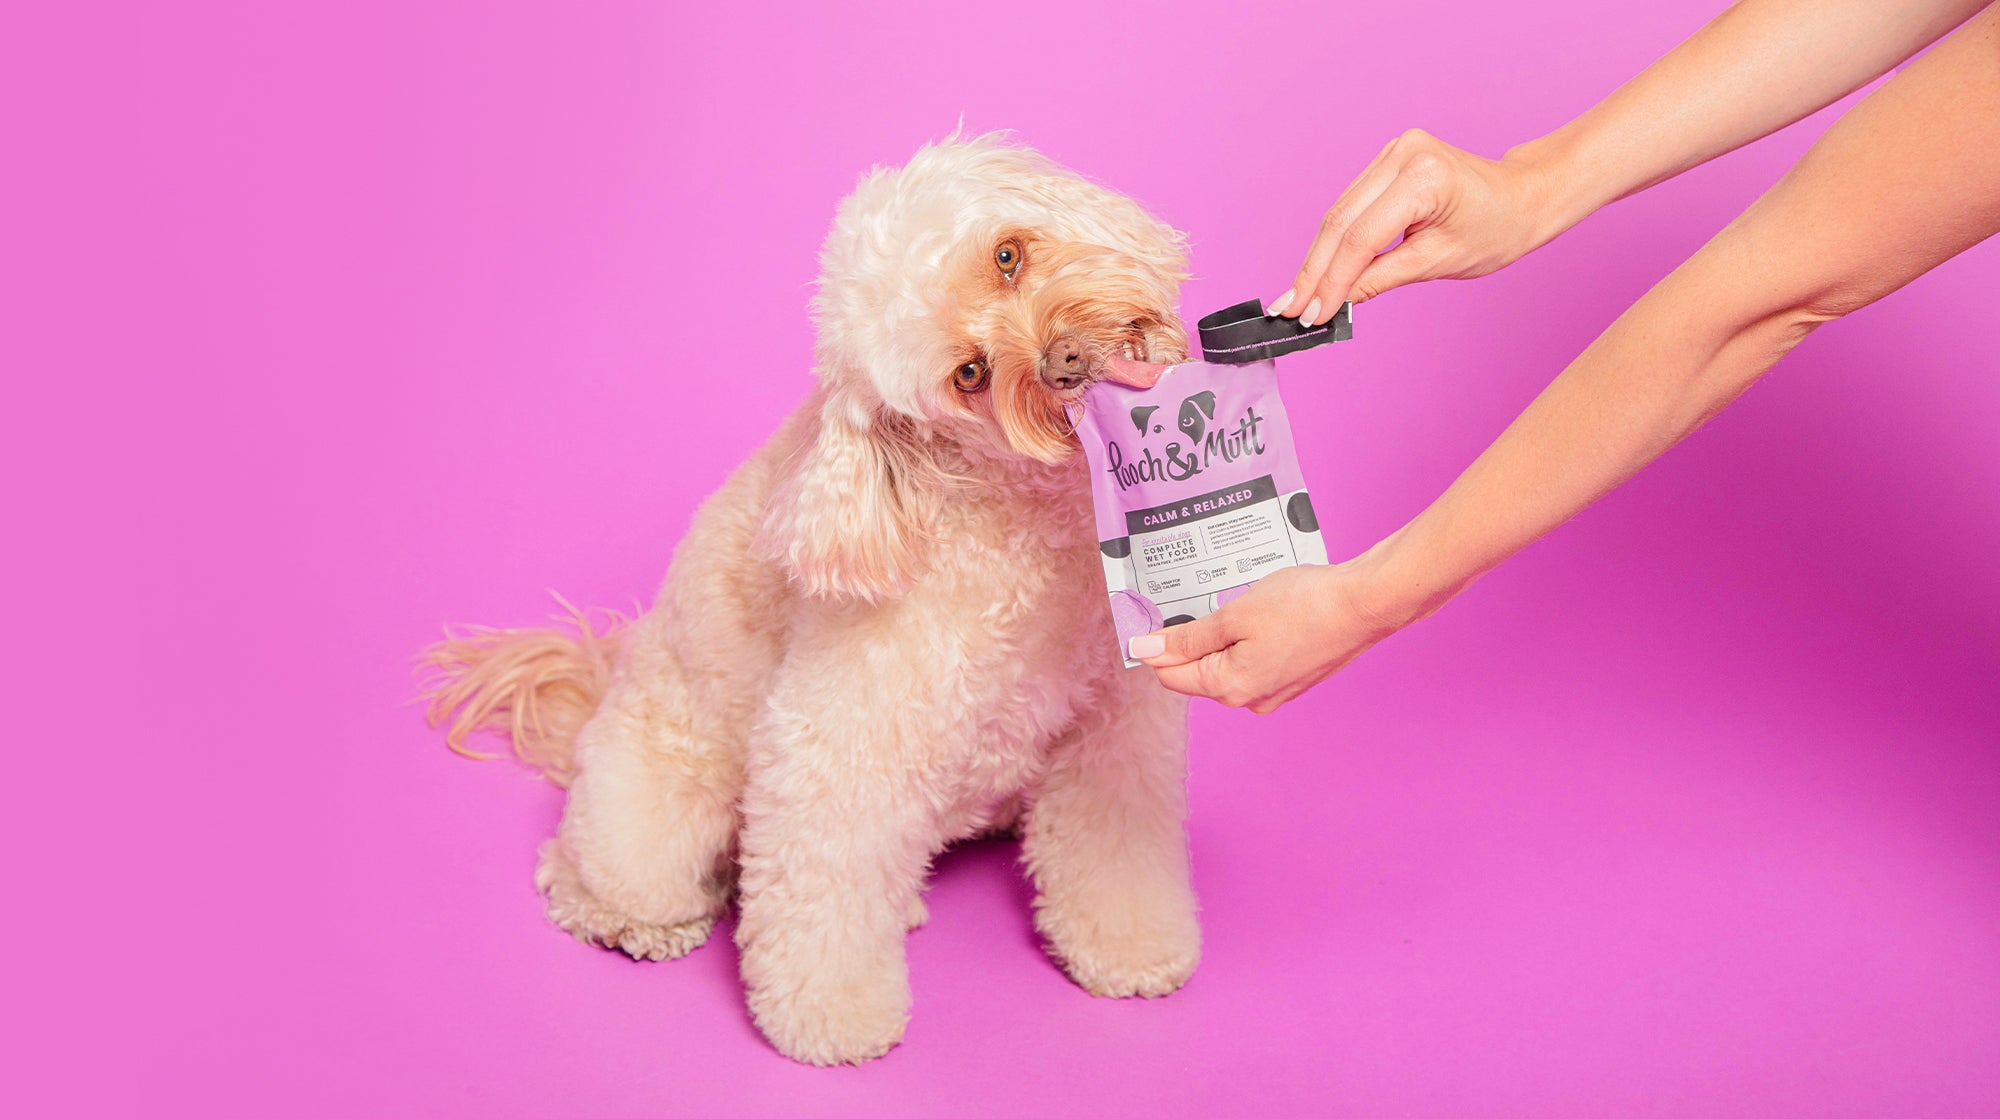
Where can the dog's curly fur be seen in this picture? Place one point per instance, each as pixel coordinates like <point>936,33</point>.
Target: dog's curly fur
<point>886,632</point>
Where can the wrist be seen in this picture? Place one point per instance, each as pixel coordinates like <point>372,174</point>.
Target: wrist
<point>1396,584</point>
<point>1553,183</point>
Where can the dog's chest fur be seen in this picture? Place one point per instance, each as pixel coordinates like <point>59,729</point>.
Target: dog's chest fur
<point>963,684</point>
<point>1033,654</point>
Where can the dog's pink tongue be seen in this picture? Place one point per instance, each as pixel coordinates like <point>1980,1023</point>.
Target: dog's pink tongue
<point>1139,375</point>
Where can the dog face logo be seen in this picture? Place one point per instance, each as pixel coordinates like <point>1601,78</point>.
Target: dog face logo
<point>1196,412</point>
<point>1193,448</point>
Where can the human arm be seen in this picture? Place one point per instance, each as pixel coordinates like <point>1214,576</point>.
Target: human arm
<point>1908,179</point>
<point>1754,69</point>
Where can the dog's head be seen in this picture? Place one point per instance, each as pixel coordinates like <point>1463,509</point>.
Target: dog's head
<point>964,299</point>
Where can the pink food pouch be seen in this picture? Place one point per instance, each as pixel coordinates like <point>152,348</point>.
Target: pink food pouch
<point>1195,480</point>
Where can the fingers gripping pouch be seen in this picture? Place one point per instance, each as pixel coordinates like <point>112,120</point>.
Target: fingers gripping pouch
<point>1194,476</point>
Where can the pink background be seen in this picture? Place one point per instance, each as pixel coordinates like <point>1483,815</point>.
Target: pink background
<point>322,329</point>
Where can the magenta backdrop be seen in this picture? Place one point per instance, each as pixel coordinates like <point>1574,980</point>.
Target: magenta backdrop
<point>325,328</point>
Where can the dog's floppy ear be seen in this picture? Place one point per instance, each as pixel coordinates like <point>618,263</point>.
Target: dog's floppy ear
<point>855,505</point>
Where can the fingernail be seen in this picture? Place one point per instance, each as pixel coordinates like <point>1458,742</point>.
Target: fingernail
<point>1146,645</point>
<point>1311,312</point>
<point>1278,305</point>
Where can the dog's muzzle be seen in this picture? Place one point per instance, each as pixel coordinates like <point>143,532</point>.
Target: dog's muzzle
<point>1065,365</point>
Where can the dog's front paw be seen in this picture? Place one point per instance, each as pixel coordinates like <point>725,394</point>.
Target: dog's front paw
<point>825,1022</point>
<point>1114,950</point>
<point>572,907</point>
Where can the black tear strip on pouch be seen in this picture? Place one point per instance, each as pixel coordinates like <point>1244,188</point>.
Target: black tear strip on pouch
<point>1243,333</point>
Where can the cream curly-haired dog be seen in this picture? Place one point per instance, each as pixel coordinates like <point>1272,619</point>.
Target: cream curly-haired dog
<point>886,632</point>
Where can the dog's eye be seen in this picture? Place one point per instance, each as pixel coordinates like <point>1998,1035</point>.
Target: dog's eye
<point>1008,257</point>
<point>970,377</point>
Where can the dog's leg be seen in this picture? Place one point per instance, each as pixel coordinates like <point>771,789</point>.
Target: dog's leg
<point>1106,843</point>
<point>642,862</point>
<point>835,846</point>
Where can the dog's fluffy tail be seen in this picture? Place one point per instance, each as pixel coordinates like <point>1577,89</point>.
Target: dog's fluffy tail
<point>536,687</point>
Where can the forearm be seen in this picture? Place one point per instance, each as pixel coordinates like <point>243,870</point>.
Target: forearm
<point>1908,179</point>
<point>1754,69</point>
<point>1636,391</point>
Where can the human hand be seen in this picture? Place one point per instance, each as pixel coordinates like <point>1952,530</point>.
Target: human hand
<point>1291,630</point>
<point>1459,216</point>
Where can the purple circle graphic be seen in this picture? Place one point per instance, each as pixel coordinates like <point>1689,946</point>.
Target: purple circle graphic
<point>1133,614</point>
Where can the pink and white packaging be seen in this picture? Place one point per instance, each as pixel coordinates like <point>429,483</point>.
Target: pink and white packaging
<point>1197,491</point>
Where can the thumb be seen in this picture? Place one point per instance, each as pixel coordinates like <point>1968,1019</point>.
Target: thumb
<point>1405,264</point>
<point>1190,641</point>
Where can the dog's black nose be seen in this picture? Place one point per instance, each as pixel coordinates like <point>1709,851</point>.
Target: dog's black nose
<point>1063,366</point>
